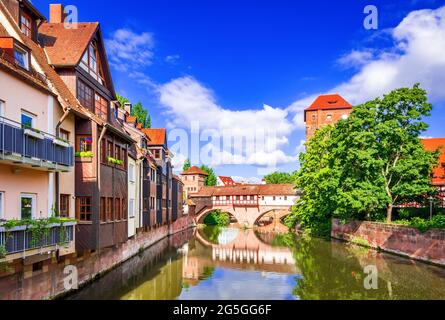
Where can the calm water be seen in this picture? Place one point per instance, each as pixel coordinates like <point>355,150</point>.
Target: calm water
<point>229,263</point>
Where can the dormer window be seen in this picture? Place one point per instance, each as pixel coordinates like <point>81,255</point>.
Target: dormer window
<point>21,57</point>
<point>91,63</point>
<point>26,25</point>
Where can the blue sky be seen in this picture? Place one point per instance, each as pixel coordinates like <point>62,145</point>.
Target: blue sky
<point>207,60</point>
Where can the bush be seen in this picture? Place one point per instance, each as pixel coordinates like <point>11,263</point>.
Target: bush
<point>423,225</point>
<point>217,218</point>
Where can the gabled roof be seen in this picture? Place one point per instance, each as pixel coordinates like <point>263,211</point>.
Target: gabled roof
<point>248,190</point>
<point>328,102</point>
<point>439,172</point>
<point>158,137</point>
<point>194,171</point>
<point>66,46</point>
<point>228,181</point>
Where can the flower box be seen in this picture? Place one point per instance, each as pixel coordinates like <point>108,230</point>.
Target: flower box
<point>34,134</point>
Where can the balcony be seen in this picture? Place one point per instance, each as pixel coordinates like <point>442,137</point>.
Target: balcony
<point>30,147</point>
<point>21,239</point>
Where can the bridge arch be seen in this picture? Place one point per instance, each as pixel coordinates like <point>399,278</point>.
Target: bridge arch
<point>203,214</point>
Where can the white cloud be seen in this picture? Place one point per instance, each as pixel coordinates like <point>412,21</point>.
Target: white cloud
<point>244,180</point>
<point>127,49</point>
<point>356,58</point>
<point>172,59</point>
<point>417,56</point>
<point>263,133</point>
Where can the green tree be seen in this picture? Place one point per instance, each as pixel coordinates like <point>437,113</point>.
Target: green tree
<point>187,165</point>
<point>142,115</point>
<point>280,178</point>
<point>122,100</point>
<point>368,163</point>
<point>211,179</point>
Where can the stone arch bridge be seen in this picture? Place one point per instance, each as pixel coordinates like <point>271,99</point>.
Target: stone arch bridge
<point>262,206</point>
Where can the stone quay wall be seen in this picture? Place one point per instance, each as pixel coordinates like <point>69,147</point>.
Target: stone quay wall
<point>401,240</point>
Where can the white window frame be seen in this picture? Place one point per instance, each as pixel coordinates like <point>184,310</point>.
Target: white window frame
<point>131,172</point>
<point>26,56</point>
<point>2,205</point>
<point>131,211</point>
<point>34,203</point>
<point>29,114</point>
<point>2,108</point>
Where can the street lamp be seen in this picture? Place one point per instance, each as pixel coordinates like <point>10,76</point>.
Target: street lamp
<point>431,207</point>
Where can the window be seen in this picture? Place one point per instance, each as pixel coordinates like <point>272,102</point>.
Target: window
<point>21,57</point>
<point>274,198</point>
<point>65,135</point>
<point>252,198</point>
<point>117,209</point>
<point>131,208</point>
<point>110,149</point>
<point>285,198</point>
<point>2,108</point>
<point>238,198</point>
<point>26,25</point>
<point>2,205</point>
<point>84,209</point>
<point>228,198</point>
<point>110,209</point>
<point>84,144</point>
<point>64,206</point>
<point>91,63</point>
<point>27,206</point>
<point>329,117</point>
<point>28,120</point>
<point>103,151</point>
<point>85,95</point>
<point>103,209</point>
<point>117,153</point>
<point>131,172</point>
<point>124,209</point>
<point>101,105</point>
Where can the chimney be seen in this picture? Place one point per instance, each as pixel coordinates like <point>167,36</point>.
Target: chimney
<point>56,14</point>
<point>128,107</point>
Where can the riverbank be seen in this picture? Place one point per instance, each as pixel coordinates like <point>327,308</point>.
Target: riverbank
<point>401,240</point>
<point>49,282</point>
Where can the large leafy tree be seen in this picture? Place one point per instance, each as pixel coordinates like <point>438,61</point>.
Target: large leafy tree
<point>187,165</point>
<point>142,115</point>
<point>280,178</point>
<point>211,179</point>
<point>368,163</point>
<point>122,100</point>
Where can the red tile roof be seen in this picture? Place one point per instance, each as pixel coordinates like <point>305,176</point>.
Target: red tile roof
<point>248,190</point>
<point>228,181</point>
<point>194,170</point>
<point>131,119</point>
<point>158,137</point>
<point>65,46</point>
<point>439,172</point>
<point>328,102</point>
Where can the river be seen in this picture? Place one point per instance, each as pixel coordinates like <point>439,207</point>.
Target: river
<point>229,263</point>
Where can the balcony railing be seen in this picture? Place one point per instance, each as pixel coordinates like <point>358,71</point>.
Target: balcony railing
<point>21,239</point>
<point>33,147</point>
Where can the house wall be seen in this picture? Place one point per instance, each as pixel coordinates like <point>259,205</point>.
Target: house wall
<point>19,96</point>
<point>27,181</point>
<point>279,200</point>
<point>132,195</point>
<point>192,183</point>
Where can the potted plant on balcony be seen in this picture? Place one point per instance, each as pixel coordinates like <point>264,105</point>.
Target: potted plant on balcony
<point>115,161</point>
<point>84,155</point>
<point>32,132</point>
<point>61,142</point>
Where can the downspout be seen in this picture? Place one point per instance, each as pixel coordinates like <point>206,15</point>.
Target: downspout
<point>97,218</point>
<point>57,187</point>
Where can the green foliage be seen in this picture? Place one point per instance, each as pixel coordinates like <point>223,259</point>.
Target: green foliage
<point>122,100</point>
<point>187,165</point>
<point>211,179</point>
<point>142,115</point>
<point>115,161</point>
<point>84,154</point>
<point>280,178</point>
<point>423,225</point>
<point>217,218</point>
<point>3,252</point>
<point>366,164</point>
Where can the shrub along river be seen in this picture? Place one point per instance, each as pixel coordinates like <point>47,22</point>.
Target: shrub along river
<point>228,263</point>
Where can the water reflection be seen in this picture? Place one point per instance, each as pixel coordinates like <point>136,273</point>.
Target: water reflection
<point>229,263</point>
